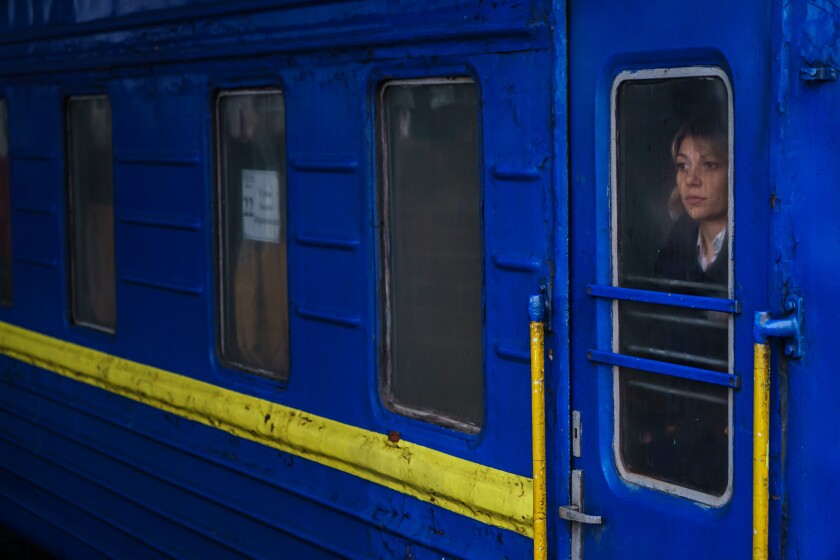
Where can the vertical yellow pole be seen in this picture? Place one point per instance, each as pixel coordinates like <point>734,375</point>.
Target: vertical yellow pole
<point>538,426</point>
<point>761,449</point>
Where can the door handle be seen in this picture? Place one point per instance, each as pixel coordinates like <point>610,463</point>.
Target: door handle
<point>571,513</point>
<point>574,514</point>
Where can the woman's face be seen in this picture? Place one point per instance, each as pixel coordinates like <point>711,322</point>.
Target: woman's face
<point>702,180</point>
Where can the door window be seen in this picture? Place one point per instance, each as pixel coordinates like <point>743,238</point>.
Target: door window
<point>672,234</point>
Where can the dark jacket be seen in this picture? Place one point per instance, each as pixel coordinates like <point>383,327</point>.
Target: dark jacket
<point>677,260</point>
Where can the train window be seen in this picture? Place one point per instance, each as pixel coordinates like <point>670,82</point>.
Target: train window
<point>430,203</point>
<point>5,211</point>
<point>673,231</point>
<point>254,307</point>
<point>91,216</point>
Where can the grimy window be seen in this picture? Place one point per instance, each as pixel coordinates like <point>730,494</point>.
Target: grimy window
<point>251,205</point>
<point>91,217</point>
<point>672,230</point>
<point>5,211</point>
<point>430,205</point>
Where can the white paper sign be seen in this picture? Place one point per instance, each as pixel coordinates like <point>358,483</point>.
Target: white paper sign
<point>261,205</point>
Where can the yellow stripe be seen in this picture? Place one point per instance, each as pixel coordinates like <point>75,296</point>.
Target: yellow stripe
<point>761,449</point>
<point>488,495</point>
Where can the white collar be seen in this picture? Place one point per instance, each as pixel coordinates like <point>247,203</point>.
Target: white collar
<point>717,245</point>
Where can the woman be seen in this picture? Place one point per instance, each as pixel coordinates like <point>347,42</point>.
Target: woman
<point>697,248</point>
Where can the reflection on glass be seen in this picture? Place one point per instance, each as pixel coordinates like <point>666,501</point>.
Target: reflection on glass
<point>673,218</point>
<point>91,181</point>
<point>252,198</point>
<point>5,211</point>
<point>433,250</point>
<point>675,430</point>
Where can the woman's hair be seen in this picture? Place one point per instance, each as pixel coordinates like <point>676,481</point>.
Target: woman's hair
<point>709,128</point>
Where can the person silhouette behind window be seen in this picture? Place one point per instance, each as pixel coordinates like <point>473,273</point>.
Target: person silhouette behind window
<point>697,247</point>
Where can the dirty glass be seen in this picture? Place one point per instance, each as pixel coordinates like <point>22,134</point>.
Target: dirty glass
<point>254,318</point>
<point>432,249</point>
<point>5,211</point>
<point>673,235</point>
<point>91,200</point>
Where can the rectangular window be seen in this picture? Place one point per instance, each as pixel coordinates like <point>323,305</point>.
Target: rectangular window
<point>430,202</point>
<point>5,211</point>
<point>254,317</point>
<point>672,227</point>
<point>91,216</point>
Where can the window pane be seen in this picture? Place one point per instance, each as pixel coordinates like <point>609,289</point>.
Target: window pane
<point>673,235</point>
<point>252,210</point>
<point>433,251</point>
<point>93,293</point>
<point>5,211</point>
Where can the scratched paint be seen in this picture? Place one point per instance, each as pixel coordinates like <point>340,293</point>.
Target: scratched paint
<point>486,494</point>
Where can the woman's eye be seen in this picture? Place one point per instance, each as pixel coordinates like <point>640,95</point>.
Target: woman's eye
<point>712,165</point>
<point>682,166</point>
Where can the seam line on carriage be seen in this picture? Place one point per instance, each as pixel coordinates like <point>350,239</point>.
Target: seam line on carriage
<point>143,157</point>
<point>322,315</point>
<point>45,519</point>
<point>511,172</point>
<point>170,516</point>
<point>24,154</point>
<point>173,517</point>
<point>181,223</point>
<point>325,163</point>
<point>85,509</point>
<point>162,285</point>
<point>34,209</point>
<point>36,261</point>
<point>508,351</point>
<point>328,240</point>
<point>277,484</point>
<point>515,263</point>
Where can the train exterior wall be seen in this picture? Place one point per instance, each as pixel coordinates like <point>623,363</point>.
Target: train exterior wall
<point>90,472</point>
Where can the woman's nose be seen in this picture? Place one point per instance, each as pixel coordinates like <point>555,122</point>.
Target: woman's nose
<point>693,177</point>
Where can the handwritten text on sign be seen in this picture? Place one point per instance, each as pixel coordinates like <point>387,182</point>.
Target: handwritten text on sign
<point>261,205</point>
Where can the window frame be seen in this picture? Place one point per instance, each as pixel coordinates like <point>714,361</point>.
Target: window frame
<point>5,109</point>
<point>626,475</point>
<point>222,316</point>
<point>71,209</point>
<point>384,262</point>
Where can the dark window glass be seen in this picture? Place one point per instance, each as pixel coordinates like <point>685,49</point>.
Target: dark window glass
<point>673,235</point>
<point>432,249</point>
<point>252,214</point>
<point>91,185</point>
<point>5,211</point>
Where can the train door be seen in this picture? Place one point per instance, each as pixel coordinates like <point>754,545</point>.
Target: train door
<point>668,191</point>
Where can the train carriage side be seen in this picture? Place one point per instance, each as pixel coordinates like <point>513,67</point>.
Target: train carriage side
<point>222,219</point>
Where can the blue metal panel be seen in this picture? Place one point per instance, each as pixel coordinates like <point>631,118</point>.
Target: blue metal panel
<point>806,235</point>
<point>243,496</point>
<point>604,40</point>
<point>131,475</point>
<point>36,149</point>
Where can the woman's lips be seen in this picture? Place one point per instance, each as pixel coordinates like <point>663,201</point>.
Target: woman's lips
<point>694,200</point>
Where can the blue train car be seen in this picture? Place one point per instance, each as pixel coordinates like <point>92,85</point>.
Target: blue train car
<point>266,267</point>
